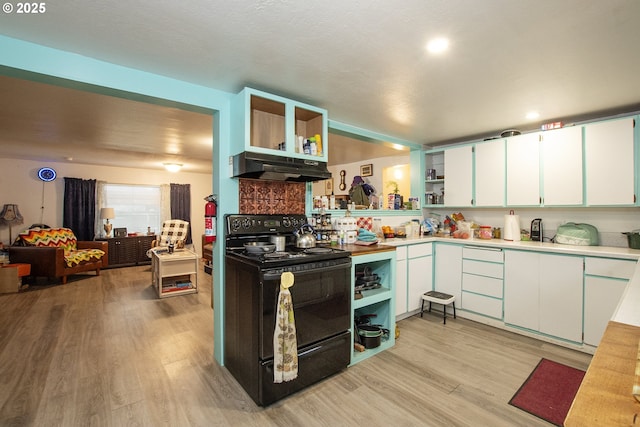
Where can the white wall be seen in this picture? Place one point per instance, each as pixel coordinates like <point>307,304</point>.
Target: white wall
<point>19,184</point>
<point>353,169</point>
<point>610,222</point>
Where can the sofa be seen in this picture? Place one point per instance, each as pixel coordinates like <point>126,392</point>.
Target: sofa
<point>57,253</point>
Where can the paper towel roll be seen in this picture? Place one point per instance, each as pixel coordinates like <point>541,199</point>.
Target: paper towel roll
<point>511,227</point>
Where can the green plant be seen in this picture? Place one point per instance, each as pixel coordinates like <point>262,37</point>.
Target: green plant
<point>394,186</point>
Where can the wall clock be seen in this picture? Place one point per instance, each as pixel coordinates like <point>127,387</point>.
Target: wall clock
<point>47,174</point>
<point>342,186</point>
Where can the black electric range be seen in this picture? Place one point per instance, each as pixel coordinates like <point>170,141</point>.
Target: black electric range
<point>243,229</point>
<point>321,296</point>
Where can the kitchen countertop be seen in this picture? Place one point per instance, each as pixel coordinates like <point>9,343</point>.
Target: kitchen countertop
<point>604,397</point>
<point>366,250</point>
<point>605,251</point>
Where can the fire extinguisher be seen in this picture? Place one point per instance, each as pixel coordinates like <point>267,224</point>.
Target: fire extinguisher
<point>210,218</point>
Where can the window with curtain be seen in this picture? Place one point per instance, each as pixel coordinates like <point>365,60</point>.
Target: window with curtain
<point>79,206</point>
<point>137,207</point>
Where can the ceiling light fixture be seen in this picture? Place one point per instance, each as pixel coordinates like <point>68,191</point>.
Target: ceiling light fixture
<point>438,45</point>
<point>173,167</point>
<point>532,115</point>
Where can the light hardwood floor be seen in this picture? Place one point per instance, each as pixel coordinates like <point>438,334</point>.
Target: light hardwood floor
<point>104,351</point>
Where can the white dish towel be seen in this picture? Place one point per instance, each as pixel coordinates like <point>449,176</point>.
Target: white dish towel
<point>285,344</point>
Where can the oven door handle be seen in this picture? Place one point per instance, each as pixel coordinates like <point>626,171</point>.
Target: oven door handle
<point>277,272</point>
<point>309,351</point>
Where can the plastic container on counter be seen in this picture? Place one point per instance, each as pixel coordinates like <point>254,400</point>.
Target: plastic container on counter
<point>485,232</point>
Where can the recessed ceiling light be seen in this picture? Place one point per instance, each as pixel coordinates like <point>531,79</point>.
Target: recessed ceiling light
<point>532,115</point>
<point>438,45</point>
<point>172,167</point>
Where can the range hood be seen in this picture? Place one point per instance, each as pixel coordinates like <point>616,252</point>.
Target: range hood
<point>276,168</point>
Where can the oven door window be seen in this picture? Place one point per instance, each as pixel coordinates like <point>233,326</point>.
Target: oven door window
<point>321,305</point>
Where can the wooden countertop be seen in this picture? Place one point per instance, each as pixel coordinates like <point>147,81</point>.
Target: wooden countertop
<point>366,250</point>
<point>604,397</point>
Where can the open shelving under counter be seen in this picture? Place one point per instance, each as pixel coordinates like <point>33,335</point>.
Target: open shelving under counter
<point>379,302</point>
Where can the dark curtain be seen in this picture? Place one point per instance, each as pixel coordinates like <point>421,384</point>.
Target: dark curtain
<point>181,205</point>
<point>80,207</point>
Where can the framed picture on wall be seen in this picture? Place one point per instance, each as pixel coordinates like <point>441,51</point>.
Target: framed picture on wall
<point>328,186</point>
<point>366,170</point>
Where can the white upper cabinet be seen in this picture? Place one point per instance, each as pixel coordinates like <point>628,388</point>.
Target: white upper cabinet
<point>490,173</point>
<point>523,170</point>
<point>458,168</point>
<point>609,163</point>
<point>561,157</point>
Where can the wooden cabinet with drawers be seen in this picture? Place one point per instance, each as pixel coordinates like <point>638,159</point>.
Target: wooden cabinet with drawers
<point>128,251</point>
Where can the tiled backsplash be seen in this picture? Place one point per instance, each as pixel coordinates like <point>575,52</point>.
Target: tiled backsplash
<point>272,197</point>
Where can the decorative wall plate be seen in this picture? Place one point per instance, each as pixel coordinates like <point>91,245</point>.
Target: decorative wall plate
<point>47,174</point>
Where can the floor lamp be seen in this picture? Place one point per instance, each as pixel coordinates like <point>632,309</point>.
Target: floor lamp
<point>10,216</point>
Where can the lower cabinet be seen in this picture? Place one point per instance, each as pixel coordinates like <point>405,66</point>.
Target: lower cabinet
<point>128,251</point>
<point>543,293</point>
<point>402,272</point>
<point>448,269</point>
<point>414,277</point>
<point>482,280</point>
<point>604,283</point>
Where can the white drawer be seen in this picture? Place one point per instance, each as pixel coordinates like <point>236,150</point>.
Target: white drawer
<point>482,285</point>
<point>416,251</point>
<point>401,253</point>
<point>483,254</point>
<point>482,268</point>
<point>618,268</point>
<point>483,305</point>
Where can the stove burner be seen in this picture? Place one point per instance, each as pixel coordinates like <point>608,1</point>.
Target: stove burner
<point>276,255</point>
<point>318,250</point>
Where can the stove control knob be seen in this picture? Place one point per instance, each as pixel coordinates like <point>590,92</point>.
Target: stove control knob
<point>246,223</point>
<point>286,222</point>
<point>235,225</point>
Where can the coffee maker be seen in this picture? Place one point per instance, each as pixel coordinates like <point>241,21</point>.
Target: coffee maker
<point>536,230</point>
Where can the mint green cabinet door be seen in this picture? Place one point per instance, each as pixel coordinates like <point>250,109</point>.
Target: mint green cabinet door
<point>561,154</point>
<point>521,289</point>
<point>401,281</point>
<point>523,170</point>
<point>458,170</point>
<point>609,163</point>
<point>448,269</point>
<point>490,173</point>
<point>561,296</point>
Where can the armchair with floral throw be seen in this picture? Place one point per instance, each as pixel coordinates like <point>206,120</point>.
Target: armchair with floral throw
<point>56,252</point>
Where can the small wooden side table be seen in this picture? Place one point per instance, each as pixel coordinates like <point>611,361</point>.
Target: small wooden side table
<point>11,277</point>
<point>174,273</point>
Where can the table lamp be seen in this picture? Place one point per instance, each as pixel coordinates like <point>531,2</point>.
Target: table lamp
<point>10,215</point>
<point>107,213</point>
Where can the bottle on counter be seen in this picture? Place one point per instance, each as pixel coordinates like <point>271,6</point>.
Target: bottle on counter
<point>332,201</point>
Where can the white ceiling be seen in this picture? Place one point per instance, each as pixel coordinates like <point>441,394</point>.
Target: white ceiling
<point>364,61</point>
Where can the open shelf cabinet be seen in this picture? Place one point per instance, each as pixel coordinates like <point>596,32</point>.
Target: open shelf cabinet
<point>377,302</point>
<point>271,124</point>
